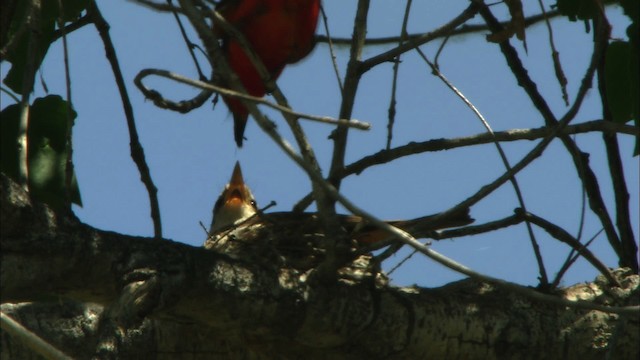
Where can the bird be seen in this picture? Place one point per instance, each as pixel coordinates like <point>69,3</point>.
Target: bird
<point>280,32</point>
<point>239,226</point>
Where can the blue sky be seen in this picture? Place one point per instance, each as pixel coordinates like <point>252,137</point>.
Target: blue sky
<point>191,155</point>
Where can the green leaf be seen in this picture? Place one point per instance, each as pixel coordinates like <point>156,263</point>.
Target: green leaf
<point>45,37</point>
<point>578,9</point>
<point>47,151</point>
<point>621,81</point>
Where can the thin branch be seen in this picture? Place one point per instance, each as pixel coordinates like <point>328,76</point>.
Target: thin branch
<point>524,162</point>
<point>406,238</point>
<point>413,148</point>
<point>66,30</point>
<point>137,152</point>
<point>462,30</point>
<point>411,44</point>
<point>159,6</point>
<point>555,57</point>
<point>325,208</point>
<point>394,81</point>
<point>401,262</point>
<point>207,87</point>
<point>306,161</point>
<point>325,21</point>
<point>386,156</point>
<point>571,258</point>
<point>352,80</point>
<point>544,280</point>
<point>190,45</point>
<point>10,94</point>
<point>560,234</point>
<point>518,289</point>
<point>438,235</point>
<point>628,245</point>
<point>482,228</point>
<point>579,158</point>
<point>182,106</point>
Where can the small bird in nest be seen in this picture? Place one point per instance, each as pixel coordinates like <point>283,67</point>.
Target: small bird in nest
<point>239,228</point>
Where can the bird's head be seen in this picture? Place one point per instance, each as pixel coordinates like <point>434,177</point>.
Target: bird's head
<point>235,204</point>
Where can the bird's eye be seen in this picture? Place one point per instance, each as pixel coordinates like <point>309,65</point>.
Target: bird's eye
<point>254,204</point>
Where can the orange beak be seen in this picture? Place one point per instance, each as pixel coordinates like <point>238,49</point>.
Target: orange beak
<point>234,204</point>
<point>236,190</point>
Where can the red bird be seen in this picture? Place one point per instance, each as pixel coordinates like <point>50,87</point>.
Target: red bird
<point>280,32</point>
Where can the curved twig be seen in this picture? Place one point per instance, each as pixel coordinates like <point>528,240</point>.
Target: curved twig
<point>206,87</point>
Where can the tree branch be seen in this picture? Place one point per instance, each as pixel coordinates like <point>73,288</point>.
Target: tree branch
<point>579,158</point>
<point>137,151</point>
<point>237,302</point>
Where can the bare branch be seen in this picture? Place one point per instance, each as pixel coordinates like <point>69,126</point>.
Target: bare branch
<point>385,156</point>
<point>161,102</point>
<point>514,182</point>
<point>352,79</point>
<point>464,29</point>
<point>560,234</point>
<point>579,158</point>
<point>137,152</point>
<point>411,44</point>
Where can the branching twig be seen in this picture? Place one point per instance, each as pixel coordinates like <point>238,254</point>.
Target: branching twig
<point>394,81</point>
<point>579,158</point>
<point>406,238</point>
<point>413,148</point>
<point>462,30</point>
<point>555,57</point>
<point>571,258</point>
<point>325,208</point>
<point>352,79</point>
<point>385,156</point>
<point>544,281</point>
<point>628,244</point>
<point>190,45</point>
<point>307,160</point>
<point>66,30</point>
<point>137,152</point>
<point>518,289</point>
<point>411,44</point>
<point>560,234</point>
<point>481,228</point>
<point>325,21</point>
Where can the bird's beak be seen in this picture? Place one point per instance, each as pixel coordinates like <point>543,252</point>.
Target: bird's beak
<point>236,189</point>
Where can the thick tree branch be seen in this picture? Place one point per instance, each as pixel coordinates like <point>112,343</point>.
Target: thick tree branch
<point>49,256</point>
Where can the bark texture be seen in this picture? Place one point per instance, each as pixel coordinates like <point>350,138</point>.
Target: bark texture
<point>91,292</point>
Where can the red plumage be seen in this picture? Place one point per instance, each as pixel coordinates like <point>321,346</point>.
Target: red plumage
<point>280,32</point>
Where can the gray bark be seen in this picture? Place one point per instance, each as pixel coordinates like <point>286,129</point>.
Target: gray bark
<point>91,292</point>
